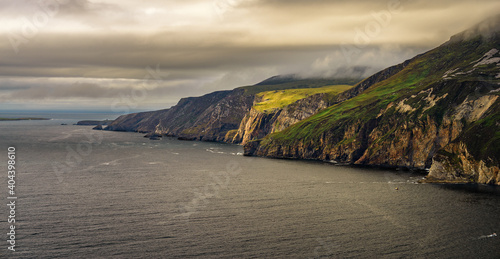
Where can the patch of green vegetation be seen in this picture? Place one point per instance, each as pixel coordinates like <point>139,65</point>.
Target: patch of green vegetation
<point>231,134</point>
<point>298,84</point>
<point>280,98</point>
<point>423,72</point>
<point>347,141</point>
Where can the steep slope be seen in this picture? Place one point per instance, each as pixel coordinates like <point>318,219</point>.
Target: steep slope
<point>182,113</point>
<point>260,122</point>
<point>215,116</point>
<point>428,111</point>
<point>276,110</point>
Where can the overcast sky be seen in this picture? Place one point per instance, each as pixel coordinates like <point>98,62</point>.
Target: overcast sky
<point>126,55</point>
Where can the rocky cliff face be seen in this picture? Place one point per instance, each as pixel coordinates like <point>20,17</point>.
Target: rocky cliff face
<point>218,116</point>
<point>216,121</point>
<point>393,139</point>
<point>474,155</point>
<point>456,164</point>
<point>209,117</point>
<point>438,111</point>
<point>256,124</point>
<point>427,114</point>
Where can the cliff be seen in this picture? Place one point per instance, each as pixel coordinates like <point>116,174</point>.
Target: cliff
<point>259,123</point>
<point>216,116</point>
<point>208,117</point>
<point>437,111</point>
<point>474,156</point>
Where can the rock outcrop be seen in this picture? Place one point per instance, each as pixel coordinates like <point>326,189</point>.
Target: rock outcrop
<point>209,117</point>
<point>256,124</point>
<point>222,116</point>
<point>438,111</point>
<point>93,123</point>
<point>429,113</point>
<point>456,164</point>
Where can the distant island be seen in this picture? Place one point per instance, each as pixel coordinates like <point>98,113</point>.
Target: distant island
<point>93,122</point>
<point>24,119</point>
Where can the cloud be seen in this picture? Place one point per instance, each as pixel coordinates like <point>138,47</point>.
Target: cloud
<point>97,50</point>
<point>107,94</point>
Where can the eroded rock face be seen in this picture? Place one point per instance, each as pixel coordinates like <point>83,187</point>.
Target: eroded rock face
<point>455,164</point>
<point>449,126</point>
<point>433,112</point>
<point>393,139</point>
<point>256,125</point>
<point>210,117</point>
<point>216,121</point>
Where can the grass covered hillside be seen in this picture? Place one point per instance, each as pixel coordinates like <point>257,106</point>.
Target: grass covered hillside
<point>277,83</point>
<point>405,119</point>
<point>451,67</point>
<point>217,116</point>
<point>272,100</point>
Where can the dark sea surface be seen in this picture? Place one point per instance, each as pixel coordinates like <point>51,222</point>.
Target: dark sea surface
<point>97,194</point>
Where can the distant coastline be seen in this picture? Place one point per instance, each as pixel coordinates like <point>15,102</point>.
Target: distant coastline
<point>93,122</point>
<point>24,119</point>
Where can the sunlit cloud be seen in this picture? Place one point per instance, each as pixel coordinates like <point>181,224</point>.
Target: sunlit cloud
<point>97,50</point>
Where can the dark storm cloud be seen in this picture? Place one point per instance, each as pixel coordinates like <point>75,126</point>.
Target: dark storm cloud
<point>201,46</point>
<point>127,56</point>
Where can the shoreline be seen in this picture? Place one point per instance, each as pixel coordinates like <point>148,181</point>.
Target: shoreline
<point>418,171</point>
<point>25,119</point>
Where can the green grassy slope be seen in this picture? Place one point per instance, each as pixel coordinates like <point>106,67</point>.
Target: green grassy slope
<point>296,84</point>
<point>276,99</point>
<point>423,72</point>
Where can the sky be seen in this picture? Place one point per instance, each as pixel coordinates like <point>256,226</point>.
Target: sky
<point>125,55</point>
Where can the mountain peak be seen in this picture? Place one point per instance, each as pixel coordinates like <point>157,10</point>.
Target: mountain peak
<point>488,28</point>
<point>279,79</point>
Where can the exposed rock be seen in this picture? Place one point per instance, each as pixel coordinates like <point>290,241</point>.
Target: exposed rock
<point>438,111</point>
<point>209,117</point>
<point>418,123</point>
<point>222,116</point>
<point>251,147</point>
<point>256,124</point>
<point>153,136</point>
<point>456,164</point>
<point>186,138</point>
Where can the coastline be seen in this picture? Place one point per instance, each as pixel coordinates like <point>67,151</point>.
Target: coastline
<point>25,119</point>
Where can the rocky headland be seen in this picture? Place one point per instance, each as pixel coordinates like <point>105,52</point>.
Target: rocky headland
<point>439,111</point>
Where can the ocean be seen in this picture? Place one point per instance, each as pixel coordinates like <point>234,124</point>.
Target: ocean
<point>83,193</point>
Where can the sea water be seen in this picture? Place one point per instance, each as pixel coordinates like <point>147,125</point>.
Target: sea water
<point>83,193</point>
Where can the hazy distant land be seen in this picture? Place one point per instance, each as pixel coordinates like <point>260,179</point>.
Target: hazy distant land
<point>93,122</point>
<point>24,119</point>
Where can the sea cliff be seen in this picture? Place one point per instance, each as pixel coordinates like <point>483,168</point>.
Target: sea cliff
<point>438,111</point>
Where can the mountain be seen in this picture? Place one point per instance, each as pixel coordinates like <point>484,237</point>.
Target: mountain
<point>217,116</point>
<point>438,111</point>
<point>260,122</point>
